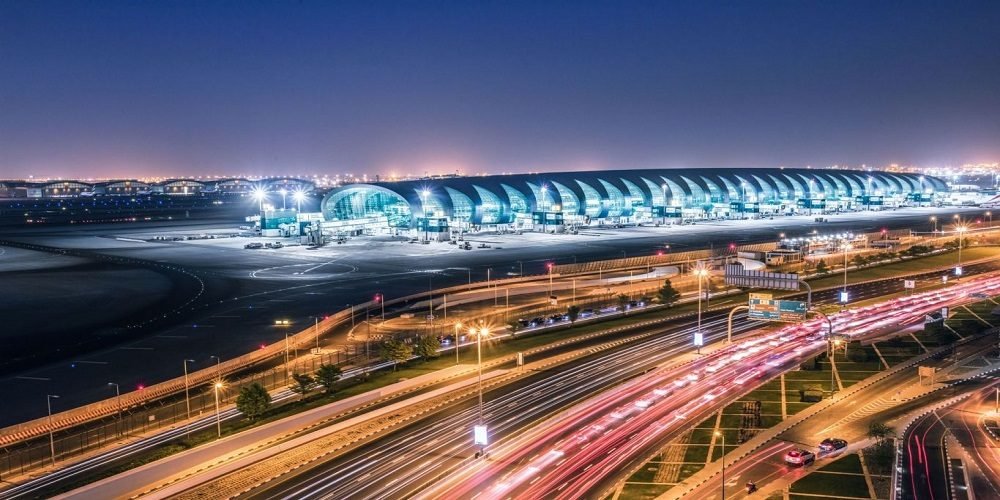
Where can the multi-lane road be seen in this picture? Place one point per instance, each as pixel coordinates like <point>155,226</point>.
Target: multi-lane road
<point>583,454</point>
<point>442,443</point>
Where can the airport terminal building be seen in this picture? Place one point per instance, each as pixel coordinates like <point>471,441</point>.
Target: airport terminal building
<point>568,200</point>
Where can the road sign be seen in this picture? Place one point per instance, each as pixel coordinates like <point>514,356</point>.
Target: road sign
<point>909,284</point>
<point>944,279</point>
<point>764,308</point>
<point>844,297</point>
<point>958,270</point>
<point>699,339</point>
<point>737,275</point>
<point>479,435</point>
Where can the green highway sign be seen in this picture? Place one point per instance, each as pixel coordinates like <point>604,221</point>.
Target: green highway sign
<point>764,308</point>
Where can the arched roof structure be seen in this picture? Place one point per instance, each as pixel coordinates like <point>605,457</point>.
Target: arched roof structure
<point>496,198</point>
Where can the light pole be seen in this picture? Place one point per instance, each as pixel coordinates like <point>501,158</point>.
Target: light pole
<point>283,192</point>
<point>723,436</point>
<point>118,402</point>
<point>934,220</point>
<point>52,439</point>
<point>187,395</point>
<point>699,272</point>
<point>316,329</point>
<point>381,302</point>
<point>843,291</point>
<point>483,332</point>
<point>298,196</point>
<point>989,215</point>
<point>458,326</point>
<point>961,234</point>
<point>218,417</point>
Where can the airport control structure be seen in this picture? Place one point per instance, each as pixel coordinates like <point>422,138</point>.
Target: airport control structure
<point>566,201</point>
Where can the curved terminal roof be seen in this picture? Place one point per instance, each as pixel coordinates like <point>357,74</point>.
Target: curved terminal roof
<point>609,193</point>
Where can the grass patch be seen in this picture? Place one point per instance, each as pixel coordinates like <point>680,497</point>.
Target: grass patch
<point>643,491</point>
<point>823,483</point>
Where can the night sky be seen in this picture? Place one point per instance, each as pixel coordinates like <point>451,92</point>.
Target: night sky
<point>169,88</point>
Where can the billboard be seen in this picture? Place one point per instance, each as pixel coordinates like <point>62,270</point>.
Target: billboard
<point>764,308</point>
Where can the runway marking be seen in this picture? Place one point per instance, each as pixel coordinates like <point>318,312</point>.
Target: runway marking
<point>172,336</point>
<point>136,348</point>
<point>25,377</point>
<point>91,362</point>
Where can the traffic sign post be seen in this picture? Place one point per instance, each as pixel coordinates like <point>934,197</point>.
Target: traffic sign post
<point>763,307</point>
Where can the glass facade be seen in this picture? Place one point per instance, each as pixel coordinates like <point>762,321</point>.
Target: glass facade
<point>610,194</point>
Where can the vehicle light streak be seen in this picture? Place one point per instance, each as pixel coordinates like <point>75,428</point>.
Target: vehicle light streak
<point>638,413</point>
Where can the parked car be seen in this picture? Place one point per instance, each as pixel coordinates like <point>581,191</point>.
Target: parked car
<point>832,444</point>
<point>799,457</point>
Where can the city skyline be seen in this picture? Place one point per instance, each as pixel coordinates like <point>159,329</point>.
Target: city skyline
<point>181,89</point>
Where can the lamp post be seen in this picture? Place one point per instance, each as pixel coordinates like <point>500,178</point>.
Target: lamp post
<point>934,220</point>
<point>298,196</point>
<point>483,332</point>
<point>458,327</point>
<point>218,417</point>
<point>284,192</point>
<point>723,436</point>
<point>961,234</point>
<point>699,272</point>
<point>118,403</point>
<point>52,439</point>
<point>843,291</point>
<point>187,395</point>
<point>989,215</point>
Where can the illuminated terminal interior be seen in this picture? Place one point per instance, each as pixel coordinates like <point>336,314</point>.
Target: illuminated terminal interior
<point>567,200</point>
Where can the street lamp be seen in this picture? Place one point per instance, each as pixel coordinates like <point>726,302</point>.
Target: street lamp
<point>843,291</point>
<point>298,196</point>
<point>483,332</point>
<point>187,396</point>
<point>218,418</point>
<point>961,234</point>
<point>284,192</point>
<point>934,220</point>
<point>990,216</point>
<point>118,402</point>
<point>260,195</point>
<point>52,440</point>
<point>458,327</point>
<point>699,272</point>
<point>723,436</point>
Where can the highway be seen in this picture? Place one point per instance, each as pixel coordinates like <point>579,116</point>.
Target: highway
<point>112,457</point>
<point>448,435</point>
<point>414,455</point>
<point>932,469</point>
<point>846,417</point>
<point>579,456</point>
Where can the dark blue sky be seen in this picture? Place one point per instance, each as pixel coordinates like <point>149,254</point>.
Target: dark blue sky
<point>185,88</point>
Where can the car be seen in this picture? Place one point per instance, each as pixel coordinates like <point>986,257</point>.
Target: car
<point>832,444</point>
<point>799,457</point>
